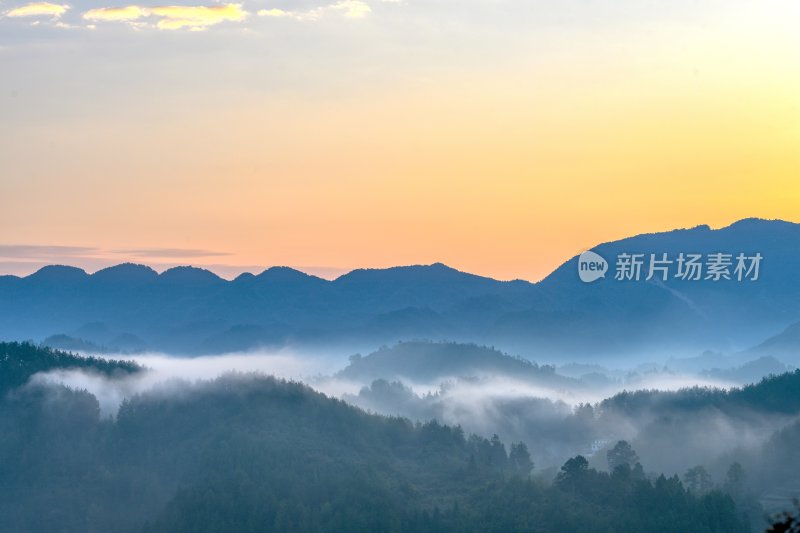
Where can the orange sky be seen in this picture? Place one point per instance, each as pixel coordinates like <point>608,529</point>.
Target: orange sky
<point>504,163</point>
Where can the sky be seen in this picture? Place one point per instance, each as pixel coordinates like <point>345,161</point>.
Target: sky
<point>500,137</point>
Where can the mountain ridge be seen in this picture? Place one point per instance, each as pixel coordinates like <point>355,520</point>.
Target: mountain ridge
<point>179,309</point>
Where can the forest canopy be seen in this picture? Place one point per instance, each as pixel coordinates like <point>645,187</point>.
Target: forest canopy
<point>249,452</point>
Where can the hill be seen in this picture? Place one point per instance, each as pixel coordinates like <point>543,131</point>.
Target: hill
<point>431,362</point>
<point>20,361</point>
<point>252,453</point>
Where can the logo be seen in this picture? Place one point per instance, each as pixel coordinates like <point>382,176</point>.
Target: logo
<point>591,266</point>
<point>663,267</point>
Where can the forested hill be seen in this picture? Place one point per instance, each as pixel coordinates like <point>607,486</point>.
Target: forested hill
<point>429,362</point>
<point>20,360</point>
<point>252,453</point>
<point>773,394</point>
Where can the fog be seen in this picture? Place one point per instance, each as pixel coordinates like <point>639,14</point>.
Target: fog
<point>162,371</point>
<point>472,396</point>
<point>552,418</point>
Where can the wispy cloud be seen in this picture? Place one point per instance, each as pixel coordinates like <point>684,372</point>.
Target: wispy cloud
<point>23,259</point>
<point>115,14</point>
<point>352,8</point>
<point>274,12</point>
<point>349,8</point>
<point>38,9</point>
<point>176,17</point>
<point>34,251</point>
<point>188,17</point>
<point>53,252</point>
<point>170,17</point>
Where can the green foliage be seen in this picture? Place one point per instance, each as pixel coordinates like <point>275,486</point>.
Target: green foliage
<point>20,361</point>
<point>426,361</point>
<point>519,459</point>
<point>698,479</point>
<point>621,455</point>
<point>774,394</point>
<point>253,453</point>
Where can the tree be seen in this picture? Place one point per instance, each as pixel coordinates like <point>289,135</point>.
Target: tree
<point>498,455</point>
<point>697,479</point>
<point>621,454</point>
<point>786,522</point>
<point>584,412</point>
<point>573,471</point>
<point>520,459</point>
<point>734,480</point>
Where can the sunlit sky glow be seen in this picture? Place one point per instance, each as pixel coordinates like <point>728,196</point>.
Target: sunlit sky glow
<point>497,136</point>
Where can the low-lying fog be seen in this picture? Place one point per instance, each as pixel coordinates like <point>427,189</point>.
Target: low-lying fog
<point>163,369</point>
<point>552,418</point>
<point>319,373</point>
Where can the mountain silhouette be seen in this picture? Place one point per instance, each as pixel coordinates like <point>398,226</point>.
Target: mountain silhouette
<point>785,345</point>
<point>191,310</point>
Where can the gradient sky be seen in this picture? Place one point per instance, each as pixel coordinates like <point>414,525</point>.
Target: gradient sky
<point>498,136</point>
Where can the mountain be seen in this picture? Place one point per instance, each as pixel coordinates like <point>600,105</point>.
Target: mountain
<point>126,273</point>
<point>785,345</point>
<point>124,343</point>
<point>750,372</point>
<point>190,310</point>
<point>73,344</point>
<point>613,315</point>
<point>187,310</point>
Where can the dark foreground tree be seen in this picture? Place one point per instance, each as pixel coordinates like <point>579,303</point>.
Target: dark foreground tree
<point>787,522</point>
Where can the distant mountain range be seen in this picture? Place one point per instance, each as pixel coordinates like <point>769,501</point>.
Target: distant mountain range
<point>784,345</point>
<point>726,315</point>
<point>188,310</point>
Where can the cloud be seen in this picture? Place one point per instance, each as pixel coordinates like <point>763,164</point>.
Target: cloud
<point>176,17</point>
<point>348,8</point>
<point>352,8</point>
<point>57,253</point>
<point>115,14</point>
<point>171,18</point>
<point>38,9</point>
<point>24,259</point>
<point>35,251</point>
<point>275,13</point>
<point>191,17</point>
